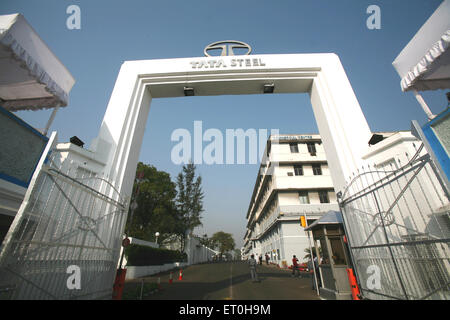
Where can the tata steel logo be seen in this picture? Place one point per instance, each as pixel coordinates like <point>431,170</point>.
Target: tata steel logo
<point>227,47</point>
<point>227,57</point>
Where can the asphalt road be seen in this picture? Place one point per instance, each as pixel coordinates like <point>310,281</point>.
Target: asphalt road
<point>231,281</point>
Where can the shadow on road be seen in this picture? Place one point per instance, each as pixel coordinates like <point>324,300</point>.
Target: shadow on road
<point>219,281</point>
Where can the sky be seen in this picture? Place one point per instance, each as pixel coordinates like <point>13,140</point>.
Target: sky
<point>112,32</point>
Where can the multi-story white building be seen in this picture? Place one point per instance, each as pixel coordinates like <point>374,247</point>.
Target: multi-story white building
<point>293,181</point>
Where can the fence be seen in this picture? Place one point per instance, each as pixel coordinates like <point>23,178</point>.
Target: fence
<point>69,220</point>
<point>397,221</point>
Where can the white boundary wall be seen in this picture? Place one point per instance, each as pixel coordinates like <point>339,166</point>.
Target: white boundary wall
<point>196,253</point>
<point>134,272</point>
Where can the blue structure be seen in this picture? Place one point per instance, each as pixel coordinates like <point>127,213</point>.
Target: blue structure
<point>435,136</point>
<point>21,149</point>
<point>437,132</point>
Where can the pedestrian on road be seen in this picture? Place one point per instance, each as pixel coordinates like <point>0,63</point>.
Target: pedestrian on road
<point>295,266</point>
<point>260,259</point>
<point>267,259</point>
<point>252,263</point>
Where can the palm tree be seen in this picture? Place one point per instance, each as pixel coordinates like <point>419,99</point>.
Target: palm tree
<point>308,252</point>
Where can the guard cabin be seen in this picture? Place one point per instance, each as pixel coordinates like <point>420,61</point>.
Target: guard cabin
<point>328,234</point>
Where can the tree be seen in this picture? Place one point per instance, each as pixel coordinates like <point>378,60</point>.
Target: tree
<point>223,241</point>
<point>207,242</point>
<point>237,254</point>
<point>308,252</point>
<point>155,211</point>
<point>189,200</point>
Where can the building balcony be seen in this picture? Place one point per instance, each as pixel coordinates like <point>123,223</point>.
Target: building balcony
<point>290,183</point>
<point>306,209</point>
<point>298,157</point>
<point>293,212</point>
<point>302,182</point>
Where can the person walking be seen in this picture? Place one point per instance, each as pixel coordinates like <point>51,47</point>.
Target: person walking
<point>252,263</point>
<point>295,266</point>
<point>260,259</point>
<point>267,259</point>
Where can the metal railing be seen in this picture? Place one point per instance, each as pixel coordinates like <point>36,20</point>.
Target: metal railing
<point>71,219</point>
<point>397,221</point>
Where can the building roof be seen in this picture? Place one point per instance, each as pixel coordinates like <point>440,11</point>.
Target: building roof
<point>331,217</point>
<point>32,77</point>
<point>424,64</point>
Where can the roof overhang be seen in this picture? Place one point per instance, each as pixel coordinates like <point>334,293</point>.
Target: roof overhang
<point>331,217</point>
<point>31,77</point>
<point>424,64</point>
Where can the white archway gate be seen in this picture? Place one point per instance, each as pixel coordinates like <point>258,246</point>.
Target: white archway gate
<point>74,212</point>
<point>341,122</point>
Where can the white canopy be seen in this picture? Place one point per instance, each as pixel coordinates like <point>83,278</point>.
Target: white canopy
<point>424,64</point>
<point>31,76</point>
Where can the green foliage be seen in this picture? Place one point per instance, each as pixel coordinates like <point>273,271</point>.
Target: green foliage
<point>147,256</point>
<point>308,252</point>
<point>156,206</point>
<point>156,210</point>
<point>223,241</point>
<point>190,199</point>
<point>207,242</point>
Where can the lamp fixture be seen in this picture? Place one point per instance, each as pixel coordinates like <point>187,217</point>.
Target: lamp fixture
<point>375,139</point>
<point>76,141</point>
<point>268,88</point>
<point>189,92</point>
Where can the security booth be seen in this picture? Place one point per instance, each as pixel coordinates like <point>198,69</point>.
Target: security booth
<point>328,234</point>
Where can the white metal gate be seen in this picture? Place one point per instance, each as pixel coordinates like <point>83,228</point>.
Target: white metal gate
<point>397,221</point>
<point>69,221</point>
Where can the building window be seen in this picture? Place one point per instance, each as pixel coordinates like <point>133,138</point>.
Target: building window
<point>317,170</point>
<point>303,196</point>
<point>337,250</point>
<point>323,196</point>
<point>294,147</point>
<point>298,169</point>
<point>311,148</point>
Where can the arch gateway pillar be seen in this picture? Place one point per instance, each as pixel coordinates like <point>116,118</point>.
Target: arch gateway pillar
<point>340,120</point>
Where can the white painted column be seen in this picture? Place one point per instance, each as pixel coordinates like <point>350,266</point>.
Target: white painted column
<point>424,105</point>
<point>121,133</point>
<point>343,128</point>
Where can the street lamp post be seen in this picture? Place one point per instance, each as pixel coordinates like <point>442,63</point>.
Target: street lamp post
<point>157,235</point>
